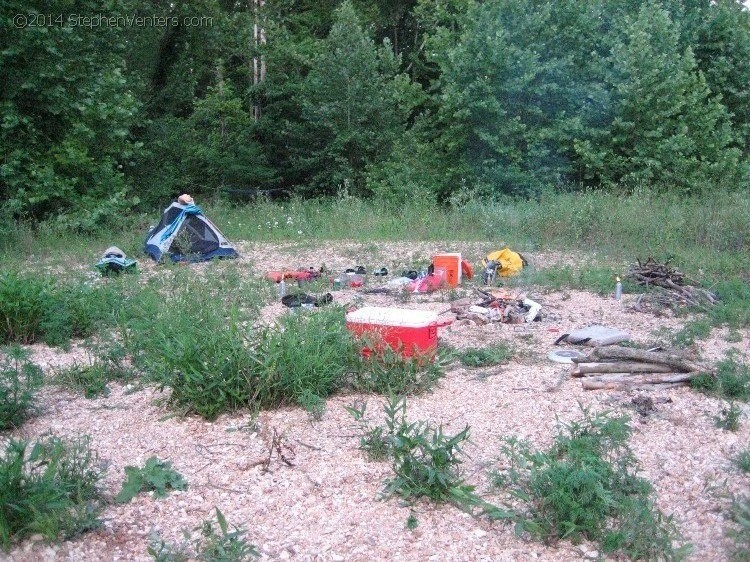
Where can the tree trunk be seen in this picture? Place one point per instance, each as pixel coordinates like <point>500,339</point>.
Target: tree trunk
<point>626,353</point>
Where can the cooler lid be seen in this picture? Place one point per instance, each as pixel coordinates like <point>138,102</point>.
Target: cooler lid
<point>392,317</point>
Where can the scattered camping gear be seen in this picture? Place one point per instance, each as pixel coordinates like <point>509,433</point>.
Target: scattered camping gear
<point>427,284</point>
<point>411,274</point>
<point>506,262</point>
<point>504,307</point>
<point>674,290</point>
<point>594,336</point>
<point>302,299</point>
<point>359,270</point>
<point>406,331</point>
<point>114,261</point>
<point>300,275</point>
<point>382,272</point>
<point>624,368</point>
<point>565,355</point>
<point>185,234</point>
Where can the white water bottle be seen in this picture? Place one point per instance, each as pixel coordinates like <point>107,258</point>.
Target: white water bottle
<point>618,290</point>
<point>282,287</point>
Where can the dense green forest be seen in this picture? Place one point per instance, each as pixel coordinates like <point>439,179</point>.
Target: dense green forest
<point>111,106</point>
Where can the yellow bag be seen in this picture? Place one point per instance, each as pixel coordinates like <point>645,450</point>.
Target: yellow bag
<point>506,262</point>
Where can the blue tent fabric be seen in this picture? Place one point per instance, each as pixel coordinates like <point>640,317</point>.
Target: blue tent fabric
<point>184,233</point>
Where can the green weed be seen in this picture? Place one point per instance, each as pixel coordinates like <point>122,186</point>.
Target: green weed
<point>742,460</point>
<point>156,476</point>
<point>48,487</point>
<point>696,330</point>
<point>585,487</point>
<point>91,380</point>
<point>19,379</point>
<point>375,440</point>
<point>23,304</point>
<point>426,462</point>
<point>210,546</point>
<point>740,534</point>
<point>728,417</point>
<point>389,371</point>
<point>731,381</point>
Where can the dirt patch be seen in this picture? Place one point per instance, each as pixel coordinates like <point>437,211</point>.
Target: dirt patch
<point>326,506</point>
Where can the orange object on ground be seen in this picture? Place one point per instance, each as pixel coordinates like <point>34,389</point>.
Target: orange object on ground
<point>466,269</point>
<point>276,276</point>
<point>451,264</point>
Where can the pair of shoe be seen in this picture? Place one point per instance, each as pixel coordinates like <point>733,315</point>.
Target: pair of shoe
<point>381,272</point>
<point>359,270</point>
<point>411,274</point>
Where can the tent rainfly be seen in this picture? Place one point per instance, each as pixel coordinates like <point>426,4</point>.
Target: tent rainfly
<point>185,234</point>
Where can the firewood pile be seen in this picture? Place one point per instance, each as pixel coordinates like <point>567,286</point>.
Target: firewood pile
<point>673,286</point>
<point>624,368</point>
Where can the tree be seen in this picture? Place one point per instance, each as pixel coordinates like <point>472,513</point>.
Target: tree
<point>354,105</point>
<point>667,128</point>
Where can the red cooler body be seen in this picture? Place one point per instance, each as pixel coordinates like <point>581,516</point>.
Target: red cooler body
<point>408,331</point>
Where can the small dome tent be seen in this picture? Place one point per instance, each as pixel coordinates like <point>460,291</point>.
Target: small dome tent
<point>185,234</point>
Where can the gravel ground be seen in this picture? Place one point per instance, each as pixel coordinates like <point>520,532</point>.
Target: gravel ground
<point>327,506</point>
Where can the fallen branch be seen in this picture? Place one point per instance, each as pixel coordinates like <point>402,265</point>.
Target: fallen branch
<point>678,362</point>
<point>651,378</point>
<point>587,369</point>
<point>597,385</point>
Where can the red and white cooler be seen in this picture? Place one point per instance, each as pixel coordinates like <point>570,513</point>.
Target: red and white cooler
<point>409,331</point>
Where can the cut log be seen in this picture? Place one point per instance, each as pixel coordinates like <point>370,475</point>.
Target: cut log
<point>672,359</point>
<point>586,369</point>
<point>651,378</point>
<point>599,385</point>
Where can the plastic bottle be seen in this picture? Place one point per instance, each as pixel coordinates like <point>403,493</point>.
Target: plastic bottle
<point>282,287</point>
<point>618,290</point>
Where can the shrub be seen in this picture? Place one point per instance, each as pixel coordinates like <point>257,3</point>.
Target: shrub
<point>156,476</point>
<point>19,378</point>
<point>742,460</point>
<point>732,379</point>
<point>586,487</point>
<point>92,379</point>
<point>391,372</point>
<point>49,487</point>
<point>23,303</point>
<point>741,532</point>
<point>729,417</point>
<point>426,461</point>
<point>375,440</point>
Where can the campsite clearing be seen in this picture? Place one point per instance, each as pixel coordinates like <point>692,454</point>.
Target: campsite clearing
<point>324,504</point>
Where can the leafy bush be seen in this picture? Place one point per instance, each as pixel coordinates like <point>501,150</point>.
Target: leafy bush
<point>156,476</point>
<point>49,488</point>
<point>732,379</point>
<point>375,440</point>
<point>210,546</point>
<point>19,378</point>
<point>92,379</point>
<point>426,461</point>
<point>23,304</point>
<point>586,487</point>
<point>34,308</point>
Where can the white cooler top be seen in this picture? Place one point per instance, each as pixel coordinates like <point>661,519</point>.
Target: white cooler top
<point>401,317</point>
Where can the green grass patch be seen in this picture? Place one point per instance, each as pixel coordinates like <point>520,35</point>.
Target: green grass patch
<point>742,460</point>
<point>586,487</point>
<point>728,417</point>
<point>740,533</point>
<point>496,354</point>
<point>19,380</point>
<point>49,487</point>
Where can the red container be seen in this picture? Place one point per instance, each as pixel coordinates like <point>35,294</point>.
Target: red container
<point>409,331</point>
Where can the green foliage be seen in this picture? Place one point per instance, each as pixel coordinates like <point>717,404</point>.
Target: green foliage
<point>485,356</point>
<point>426,461</point>
<point>389,371</point>
<point>19,378</point>
<point>585,487</point>
<point>92,379</point>
<point>34,308</point>
<point>375,440</point>
<point>742,460</point>
<point>731,381</point>
<point>210,546</point>
<point>728,417</point>
<point>224,545</point>
<point>696,330</point>
<point>741,533</point>
<point>156,476</point>
<point>48,487</point>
